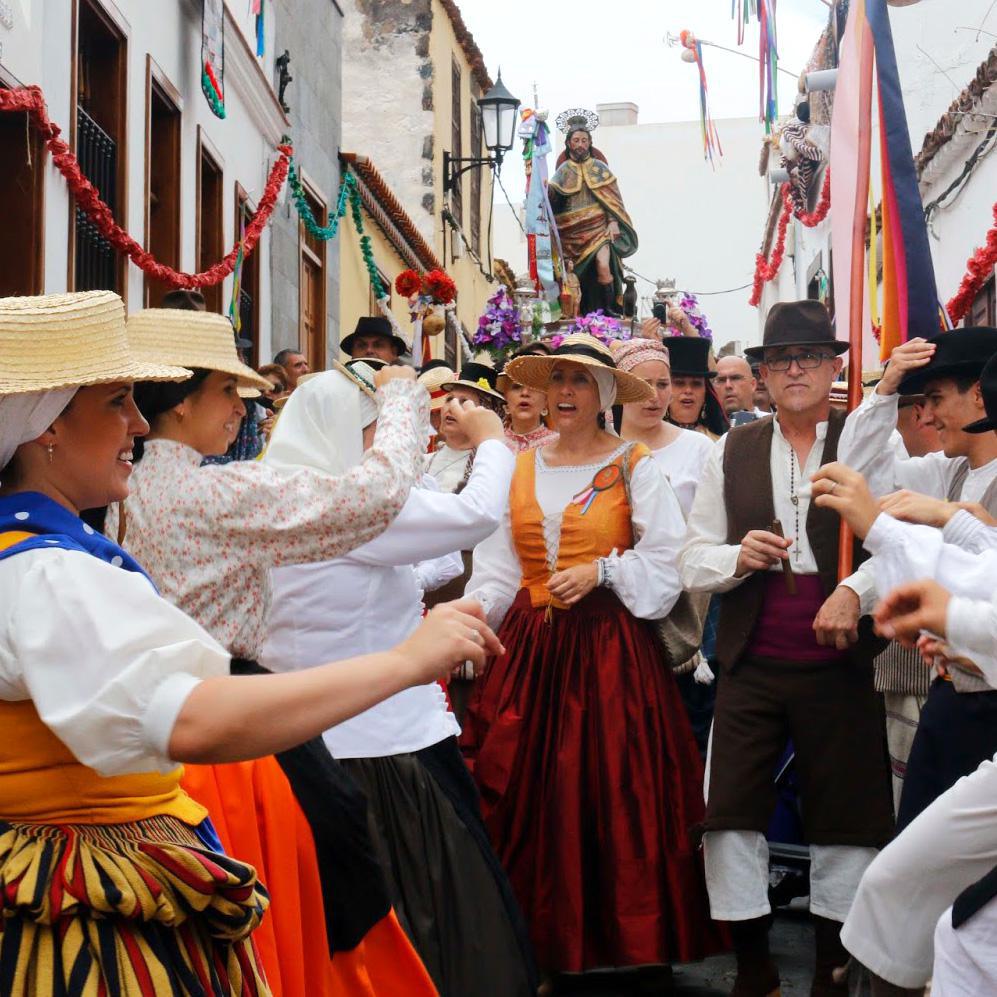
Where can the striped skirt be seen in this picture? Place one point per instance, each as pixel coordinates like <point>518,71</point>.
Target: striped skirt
<point>125,910</point>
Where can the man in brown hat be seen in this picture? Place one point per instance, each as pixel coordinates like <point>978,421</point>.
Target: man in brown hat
<point>792,664</point>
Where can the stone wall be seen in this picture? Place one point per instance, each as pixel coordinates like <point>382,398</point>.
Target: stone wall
<point>388,98</point>
<point>312,31</point>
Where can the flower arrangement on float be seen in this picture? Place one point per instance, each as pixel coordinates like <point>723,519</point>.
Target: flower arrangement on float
<point>500,328</point>
<point>605,328</point>
<point>428,296</point>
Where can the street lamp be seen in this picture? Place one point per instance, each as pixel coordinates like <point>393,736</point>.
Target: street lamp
<point>498,110</point>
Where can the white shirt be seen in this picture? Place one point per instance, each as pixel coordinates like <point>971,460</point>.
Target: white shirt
<point>906,552</point>
<point>370,601</point>
<point>867,445</point>
<point>448,467</point>
<point>683,461</point>
<point>106,661</point>
<point>708,563</point>
<point>644,578</point>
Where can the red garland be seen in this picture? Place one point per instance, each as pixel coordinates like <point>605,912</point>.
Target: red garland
<point>30,100</point>
<point>766,270</point>
<point>979,267</point>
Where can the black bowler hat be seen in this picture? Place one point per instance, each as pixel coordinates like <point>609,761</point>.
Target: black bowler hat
<point>374,326</point>
<point>797,323</point>
<point>435,365</point>
<point>689,356</point>
<point>959,353</point>
<point>988,387</point>
<point>477,377</point>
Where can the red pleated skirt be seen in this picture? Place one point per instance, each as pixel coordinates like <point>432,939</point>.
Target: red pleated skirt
<point>590,783</point>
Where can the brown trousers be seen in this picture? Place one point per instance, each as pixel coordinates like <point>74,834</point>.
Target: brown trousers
<point>835,720</point>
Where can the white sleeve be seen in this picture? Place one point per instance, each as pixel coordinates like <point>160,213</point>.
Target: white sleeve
<point>908,553</point>
<point>496,574</point>
<point>433,523</point>
<point>966,531</point>
<point>106,661</point>
<point>707,562</point>
<point>863,583</point>
<point>971,632</point>
<point>434,573</point>
<point>646,577</point>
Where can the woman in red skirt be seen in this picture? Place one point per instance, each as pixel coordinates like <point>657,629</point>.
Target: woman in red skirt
<point>589,774</point>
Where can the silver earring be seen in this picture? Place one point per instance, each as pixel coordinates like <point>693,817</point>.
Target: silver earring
<point>51,452</point>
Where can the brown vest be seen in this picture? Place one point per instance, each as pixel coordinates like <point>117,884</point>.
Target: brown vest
<point>750,506</point>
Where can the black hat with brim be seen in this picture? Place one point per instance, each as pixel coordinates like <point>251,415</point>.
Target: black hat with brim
<point>797,323</point>
<point>958,354</point>
<point>689,356</point>
<point>374,326</point>
<point>988,388</point>
<point>477,377</point>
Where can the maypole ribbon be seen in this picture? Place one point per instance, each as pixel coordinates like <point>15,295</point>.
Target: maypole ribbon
<point>768,59</point>
<point>712,149</point>
<point>30,100</point>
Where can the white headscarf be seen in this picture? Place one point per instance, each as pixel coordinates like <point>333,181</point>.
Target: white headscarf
<point>25,416</point>
<point>321,426</point>
<point>607,386</point>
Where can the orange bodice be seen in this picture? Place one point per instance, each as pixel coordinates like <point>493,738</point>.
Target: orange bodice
<point>42,782</point>
<point>605,526</point>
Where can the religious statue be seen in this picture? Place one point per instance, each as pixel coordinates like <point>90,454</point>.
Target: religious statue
<point>595,230</point>
<point>571,292</point>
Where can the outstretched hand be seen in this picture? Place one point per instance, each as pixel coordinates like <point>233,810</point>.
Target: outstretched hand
<point>911,609</point>
<point>475,421</point>
<point>450,634</point>
<point>836,486</point>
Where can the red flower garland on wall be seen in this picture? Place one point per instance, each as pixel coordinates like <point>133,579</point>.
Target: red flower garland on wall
<point>31,101</point>
<point>766,269</point>
<point>979,268</point>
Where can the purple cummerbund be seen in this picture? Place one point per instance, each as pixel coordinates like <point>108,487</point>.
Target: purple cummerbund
<point>785,626</point>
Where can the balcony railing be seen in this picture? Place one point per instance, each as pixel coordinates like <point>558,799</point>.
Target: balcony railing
<point>96,265</point>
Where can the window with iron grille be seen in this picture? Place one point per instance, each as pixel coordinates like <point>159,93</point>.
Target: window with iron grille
<point>457,141</point>
<point>476,181</point>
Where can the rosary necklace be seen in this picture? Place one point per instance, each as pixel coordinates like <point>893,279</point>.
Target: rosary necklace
<point>795,499</point>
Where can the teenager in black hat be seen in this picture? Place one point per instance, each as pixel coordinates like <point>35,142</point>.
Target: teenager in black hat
<point>791,661</point>
<point>694,403</point>
<point>374,337</point>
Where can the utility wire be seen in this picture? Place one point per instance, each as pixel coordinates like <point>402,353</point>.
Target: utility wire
<point>699,294</point>
<point>505,194</point>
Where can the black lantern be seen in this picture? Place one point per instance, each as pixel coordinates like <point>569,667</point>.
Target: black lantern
<point>499,119</point>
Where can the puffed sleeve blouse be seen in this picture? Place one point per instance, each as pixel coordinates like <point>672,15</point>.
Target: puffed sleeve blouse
<point>107,662</point>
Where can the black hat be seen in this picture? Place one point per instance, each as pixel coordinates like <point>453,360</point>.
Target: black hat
<point>478,377</point>
<point>689,356</point>
<point>374,326</point>
<point>434,365</point>
<point>185,299</point>
<point>959,353</point>
<point>797,323</point>
<point>988,387</point>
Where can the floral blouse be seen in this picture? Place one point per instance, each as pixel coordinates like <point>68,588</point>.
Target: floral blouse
<point>540,437</point>
<point>208,536</point>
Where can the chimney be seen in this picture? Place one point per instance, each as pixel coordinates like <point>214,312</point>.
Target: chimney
<point>622,113</point>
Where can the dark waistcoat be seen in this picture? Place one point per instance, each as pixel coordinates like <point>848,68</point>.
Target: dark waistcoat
<point>750,506</point>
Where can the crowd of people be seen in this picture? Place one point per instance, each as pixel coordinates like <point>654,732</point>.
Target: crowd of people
<point>380,681</point>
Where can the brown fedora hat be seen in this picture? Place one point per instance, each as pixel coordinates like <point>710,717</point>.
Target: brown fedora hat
<point>797,323</point>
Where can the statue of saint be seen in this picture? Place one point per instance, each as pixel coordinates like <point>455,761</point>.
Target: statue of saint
<point>595,230</point>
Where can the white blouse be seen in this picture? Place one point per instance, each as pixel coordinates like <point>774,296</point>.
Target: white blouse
<point>106,661</point>
<point>448,467</point>
<point>208,536</point>
<point>644,578</point>
<point>683,461</point>
<point>370,601</point>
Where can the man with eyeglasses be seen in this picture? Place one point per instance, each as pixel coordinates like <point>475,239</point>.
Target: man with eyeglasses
<point>794,661</point>
<point>735,384</point>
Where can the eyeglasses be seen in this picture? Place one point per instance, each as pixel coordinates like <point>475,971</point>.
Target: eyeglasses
<point>805,361</point>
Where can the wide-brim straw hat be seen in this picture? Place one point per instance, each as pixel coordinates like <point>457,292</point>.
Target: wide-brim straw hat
<point>534,372</point>
<point>53,341</point>
<point>194,339</point>
<point>433,379</point>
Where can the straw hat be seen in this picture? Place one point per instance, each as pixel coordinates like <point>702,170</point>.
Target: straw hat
<point>580,348</point>
<point>432,377</point>
<point>194,339</point>
<point>53,341</point>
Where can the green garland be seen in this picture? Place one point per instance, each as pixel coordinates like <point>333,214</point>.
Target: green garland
<point>216,104</point>
<point>347,192</point>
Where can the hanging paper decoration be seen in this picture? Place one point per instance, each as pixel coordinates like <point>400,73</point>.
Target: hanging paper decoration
<point>909,292</point>
<point>256,8</point>
<point>213,55</point>
<point>712,150</point>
